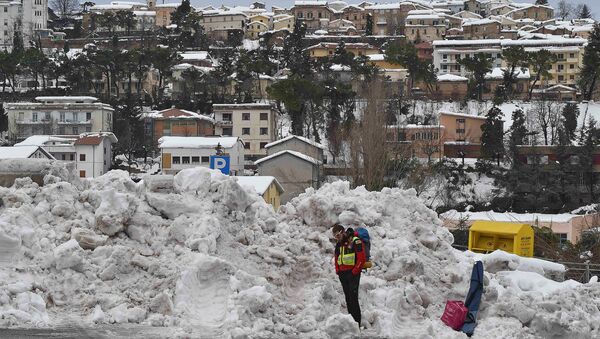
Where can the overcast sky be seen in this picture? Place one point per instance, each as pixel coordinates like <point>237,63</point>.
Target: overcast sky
<point>593,4</point>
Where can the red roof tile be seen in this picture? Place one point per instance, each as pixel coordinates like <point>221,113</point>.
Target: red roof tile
<point>89,140</point>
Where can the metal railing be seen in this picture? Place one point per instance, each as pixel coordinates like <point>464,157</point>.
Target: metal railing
<point>581,272</point>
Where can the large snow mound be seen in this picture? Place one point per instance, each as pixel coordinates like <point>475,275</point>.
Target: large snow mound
<point>210,258</point>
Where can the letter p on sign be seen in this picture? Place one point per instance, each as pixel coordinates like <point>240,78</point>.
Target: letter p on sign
<point>220,163</point>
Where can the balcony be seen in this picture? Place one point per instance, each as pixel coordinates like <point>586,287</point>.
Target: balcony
<point>36,122</point>
<point>224,123</point>
<point>75,122</point>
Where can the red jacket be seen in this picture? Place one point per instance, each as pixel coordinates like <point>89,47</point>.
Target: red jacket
<point>350,246</point>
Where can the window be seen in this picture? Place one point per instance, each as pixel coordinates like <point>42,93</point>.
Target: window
<point>460,130</point>
<point>264,116</point>
<point>88,116</point>
<point>88,129</point>
<point>572,66</point>
<point>444,56</point>
<point>185,160</point>
<point>264,131</point>
<point>227,131</point>
<point>226,116</point>
<point>5,9</point>
<point>246,145</point>
<point>246,131</point>
<point>34,117</point>
<point>460,121</point>
<point>21,116</point>
<point>64,157</point>
<point>561,78</point>
<point>176,160</point>
<point>75,116</point>
<point>47,116</point>
<point>104,150</point>
<point>563,238</point>
<point>205,160</point>
<point>62,116</point>
<point>262,145</point>
<point>82,174</point>
<point>82,157</point>
<point>75,130</point>
<point>245,116</point>
<point>561,67</point>
<point>195,160</point>
<point>61,131</point>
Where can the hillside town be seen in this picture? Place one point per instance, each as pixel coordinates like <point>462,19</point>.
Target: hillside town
<point>484,112</point>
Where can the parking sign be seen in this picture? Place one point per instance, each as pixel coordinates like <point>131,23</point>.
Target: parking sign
<point>220,163</point>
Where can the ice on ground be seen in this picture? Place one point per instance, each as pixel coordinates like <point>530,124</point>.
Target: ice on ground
<point>207,257</point>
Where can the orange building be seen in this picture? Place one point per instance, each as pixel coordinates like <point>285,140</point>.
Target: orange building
<point>177,122</point>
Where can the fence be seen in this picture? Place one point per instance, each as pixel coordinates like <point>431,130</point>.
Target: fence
<point>581,272</point>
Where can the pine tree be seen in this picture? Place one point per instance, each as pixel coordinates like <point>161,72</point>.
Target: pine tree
<point>492,146</point>
<point>478,66</point>
<point>570,114</point>
<point>591,64</point>
<point>516,59</point>
<point>369,28</point>
<point>588,141</point>
<point>585,12</point>
<point>518,134</point>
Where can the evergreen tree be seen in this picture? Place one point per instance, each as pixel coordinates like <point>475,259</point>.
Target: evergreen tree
<point>585,12</point>
<point>295,57</point>
<point>541,2</point>
<point>588,141</point>
<point>492,146</point>
<point>570,114</point>
<point>418,70</point>
<point>341,56</point>
<point>541,63</point>
<point>516,59</point>
<point>518,135</point>
<point>591,64</point>
<point>369,28</point>
<point>478,66</point>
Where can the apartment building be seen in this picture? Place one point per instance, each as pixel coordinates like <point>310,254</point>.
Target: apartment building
<point>176,122</point>
<point>254,123</point>
<point>536,12</point>
<point>314,13</point>
<point>482,29</point>
<point>569,52</point>
<point>453,6</point>
<point>11,13</point>
<point>283,21</point>
<point>26,16</point>
<point>326,49</point>
<point>425,26</point>
<point>356,15</point>
<point>163,13</point>
<point>55,115</point>
<point>218,23</point>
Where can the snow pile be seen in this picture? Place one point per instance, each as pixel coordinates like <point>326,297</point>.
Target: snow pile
<point>208,256</point>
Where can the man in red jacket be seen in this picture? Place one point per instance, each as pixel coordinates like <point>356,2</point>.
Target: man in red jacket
<point>349,260</point>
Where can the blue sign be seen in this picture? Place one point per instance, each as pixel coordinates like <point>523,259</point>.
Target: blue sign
<point>220,163</point>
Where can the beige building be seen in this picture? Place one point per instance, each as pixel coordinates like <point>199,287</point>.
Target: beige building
<point>255,29</point>
<point>315,14</point>
<point>326,49</point>
<point>57,116</point>
<point>299,144</point>
<point>425,26</point>
<point>356,15</point>
<point>283,21</point>
<point>217,23</point>
<point>482,29</point>
<point>253,123</point>
<point>163,13</point>
<point>535,12</point>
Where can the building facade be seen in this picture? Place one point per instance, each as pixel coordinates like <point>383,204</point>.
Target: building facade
<point>58,116</point>
<point>253,123</point>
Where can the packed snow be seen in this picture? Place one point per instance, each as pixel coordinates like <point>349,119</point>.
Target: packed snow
<point>209,258</point>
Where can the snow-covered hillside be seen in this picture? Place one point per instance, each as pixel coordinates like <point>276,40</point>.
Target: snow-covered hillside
<point>211,259</point>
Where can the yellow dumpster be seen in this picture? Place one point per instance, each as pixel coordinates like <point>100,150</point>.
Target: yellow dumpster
<point>488,236</point>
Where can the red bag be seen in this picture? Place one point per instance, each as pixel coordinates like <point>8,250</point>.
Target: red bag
<point>455,314</point>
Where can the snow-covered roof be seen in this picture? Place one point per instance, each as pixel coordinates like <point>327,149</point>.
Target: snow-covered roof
<point>111,7</point>
<point>340,68</point>
<point>169,5</point>
<point>528,218</point>
<point>294,153</point>
<point>194,55</point>
<point>290,137</point>
<point>479,22</point>
<point>197,142</point>
<point>41,140</point>
<point>451,77</point>
<point>310,3</point>
<point>55,99</point>
<point>498,73</point>
<point>18,152</point>
<point>462,115</point>
<point>376,57</point>
<point>259,183</point>
<point>384,6</point>
<point>144,13</point>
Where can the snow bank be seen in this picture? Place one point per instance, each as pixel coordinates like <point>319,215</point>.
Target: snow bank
<point>205,256</point>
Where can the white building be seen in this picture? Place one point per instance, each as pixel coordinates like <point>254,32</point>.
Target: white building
<point>179,153</point>
<point>253,123</point>
<point>220,22</point>
<point>57,116</point>
<point>25,16</point>
<point>91,153</point>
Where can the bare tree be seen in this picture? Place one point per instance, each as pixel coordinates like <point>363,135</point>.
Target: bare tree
<point>64,8</point>
<point>547,119</point>
<point>368,148</point>
<point>564,10</point>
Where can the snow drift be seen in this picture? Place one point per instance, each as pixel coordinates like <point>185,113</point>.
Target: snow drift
<point>208,257</point>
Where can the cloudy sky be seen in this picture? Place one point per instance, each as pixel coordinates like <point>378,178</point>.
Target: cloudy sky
<point>593,4</point>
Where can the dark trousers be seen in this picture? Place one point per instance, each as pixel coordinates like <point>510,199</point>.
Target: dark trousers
<point>350,285</point>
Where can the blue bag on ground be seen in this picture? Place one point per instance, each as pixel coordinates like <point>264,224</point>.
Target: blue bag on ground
<point>473,298</point>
